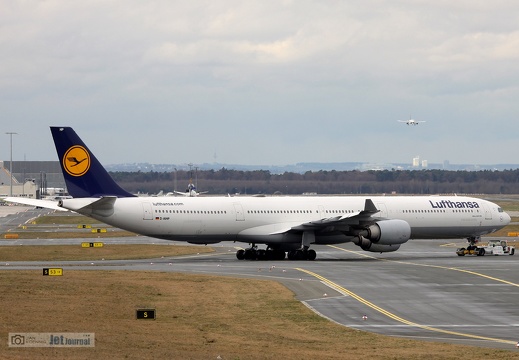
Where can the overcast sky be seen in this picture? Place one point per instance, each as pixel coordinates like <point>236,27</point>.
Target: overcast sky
<point>262,82</point>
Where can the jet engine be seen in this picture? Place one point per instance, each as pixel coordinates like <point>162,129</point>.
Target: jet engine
<point>367,245</point>
<point>384,236</point>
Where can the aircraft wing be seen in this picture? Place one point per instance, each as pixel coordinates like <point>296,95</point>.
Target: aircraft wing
<point>47,204</point>
<point>337,221</point>
<point>343,220</point>
<point>181,193</point>
<point>100,206</point>
<point>270,229</point>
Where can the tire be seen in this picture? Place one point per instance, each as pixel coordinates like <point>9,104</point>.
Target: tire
<point>240,254</point>
<point>481,252</point>
<point>512,251</point>
<point>280,255</point>
<point>250,254</point>
<point>311,255</point>
<point>460,252</point>
<point>261,254</point>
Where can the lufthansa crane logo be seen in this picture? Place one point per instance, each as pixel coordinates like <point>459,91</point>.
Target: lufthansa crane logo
<point>76,161</point>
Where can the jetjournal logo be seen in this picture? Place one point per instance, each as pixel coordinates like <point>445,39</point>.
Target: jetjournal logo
<point>51,340</point>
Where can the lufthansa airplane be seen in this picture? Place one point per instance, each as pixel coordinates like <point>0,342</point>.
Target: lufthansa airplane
<point>282,223</point>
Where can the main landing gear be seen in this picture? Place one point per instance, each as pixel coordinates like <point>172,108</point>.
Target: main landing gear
<point>253,253</point>
<point>302,254</point>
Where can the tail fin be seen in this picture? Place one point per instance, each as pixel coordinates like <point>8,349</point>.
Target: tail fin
<point>84,175</point>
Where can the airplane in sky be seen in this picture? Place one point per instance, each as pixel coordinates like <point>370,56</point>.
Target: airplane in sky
<point>282,223</point>
<point>411,121</point>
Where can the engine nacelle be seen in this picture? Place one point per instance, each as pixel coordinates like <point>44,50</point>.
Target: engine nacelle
<point>387,232</point>
<point>367,245</point>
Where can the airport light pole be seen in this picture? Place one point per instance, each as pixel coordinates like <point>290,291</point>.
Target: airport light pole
<point>11,162</point>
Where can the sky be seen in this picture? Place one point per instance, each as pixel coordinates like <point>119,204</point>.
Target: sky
<point>262,82</point>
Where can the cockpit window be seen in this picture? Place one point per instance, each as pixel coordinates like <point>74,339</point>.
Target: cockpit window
<point>499,209</point>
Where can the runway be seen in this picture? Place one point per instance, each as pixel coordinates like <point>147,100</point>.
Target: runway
<point>423,291</point>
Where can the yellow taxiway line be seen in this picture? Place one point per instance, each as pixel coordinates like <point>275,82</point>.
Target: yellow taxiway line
<point>398,318</point>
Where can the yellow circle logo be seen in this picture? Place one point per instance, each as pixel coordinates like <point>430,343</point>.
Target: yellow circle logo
<point>76,161</point>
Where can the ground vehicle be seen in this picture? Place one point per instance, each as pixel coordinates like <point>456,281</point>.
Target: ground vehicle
<point>494,247</point>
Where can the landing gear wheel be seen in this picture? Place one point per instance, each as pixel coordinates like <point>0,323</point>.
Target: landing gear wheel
<point>240,254</point>
<point>261,254</point>
<point>296,255</point>
<point>278,255</point>
<point>302,254</point>
<point>250,254</point>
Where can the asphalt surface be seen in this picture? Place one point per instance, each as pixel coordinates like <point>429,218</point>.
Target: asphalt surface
<point>423,291</point>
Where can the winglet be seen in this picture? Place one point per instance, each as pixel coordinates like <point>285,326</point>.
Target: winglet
<point>369,207</point>
<point>84,174</point>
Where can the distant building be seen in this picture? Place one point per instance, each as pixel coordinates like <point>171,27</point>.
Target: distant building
<point>31,179</point>
<point>416,161</point>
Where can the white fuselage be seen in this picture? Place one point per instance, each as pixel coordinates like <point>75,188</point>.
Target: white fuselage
<point>268,219</point>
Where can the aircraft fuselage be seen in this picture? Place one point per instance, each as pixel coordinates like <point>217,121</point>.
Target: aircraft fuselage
<point>268,220</point>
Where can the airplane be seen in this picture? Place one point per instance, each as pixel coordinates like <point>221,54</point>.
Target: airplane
<point>190,191</point>
<point>282,223</point>
<point>411,122</point>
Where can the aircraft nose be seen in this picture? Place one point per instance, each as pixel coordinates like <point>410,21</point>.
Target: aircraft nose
<point>506,218</point>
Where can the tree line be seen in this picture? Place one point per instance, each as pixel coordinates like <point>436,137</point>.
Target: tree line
<point>226,181</point>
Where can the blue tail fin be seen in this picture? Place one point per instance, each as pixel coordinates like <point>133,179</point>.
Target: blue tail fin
<point>84,175</point>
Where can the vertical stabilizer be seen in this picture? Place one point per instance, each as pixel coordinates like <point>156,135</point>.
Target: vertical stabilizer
<point>84,174</point>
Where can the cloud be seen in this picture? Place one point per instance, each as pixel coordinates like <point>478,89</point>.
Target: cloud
<point>319,74</point>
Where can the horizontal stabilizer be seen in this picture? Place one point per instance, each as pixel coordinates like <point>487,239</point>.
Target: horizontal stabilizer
<point>91,206</point>
<point>47,204</point>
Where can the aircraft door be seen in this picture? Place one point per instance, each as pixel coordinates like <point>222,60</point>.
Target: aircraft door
<point>147,211</point>
<point>239,212</point>
<point>488,212</point>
